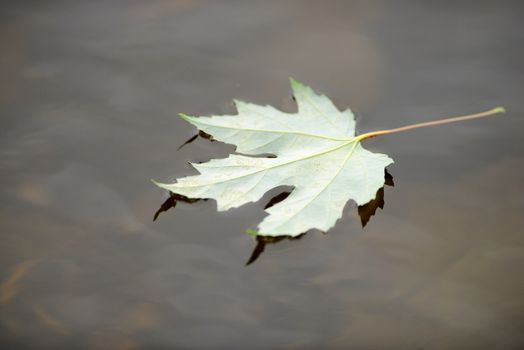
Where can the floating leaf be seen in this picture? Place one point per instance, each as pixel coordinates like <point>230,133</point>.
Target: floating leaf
<point>315,151</point>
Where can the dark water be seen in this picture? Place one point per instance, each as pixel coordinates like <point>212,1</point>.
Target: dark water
<point>89,94</point>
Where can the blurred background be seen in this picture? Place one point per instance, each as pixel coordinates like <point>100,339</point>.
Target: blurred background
<point>89,96</point>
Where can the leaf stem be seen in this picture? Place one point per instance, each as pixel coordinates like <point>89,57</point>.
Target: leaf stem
<point>491,112</point>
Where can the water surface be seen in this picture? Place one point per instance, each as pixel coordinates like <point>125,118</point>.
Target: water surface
<point>89,96</point>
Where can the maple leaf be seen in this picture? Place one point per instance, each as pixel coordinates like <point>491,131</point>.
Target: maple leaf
<point>315,150</point>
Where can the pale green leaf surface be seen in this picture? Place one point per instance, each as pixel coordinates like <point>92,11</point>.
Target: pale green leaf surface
<point>317,153</point>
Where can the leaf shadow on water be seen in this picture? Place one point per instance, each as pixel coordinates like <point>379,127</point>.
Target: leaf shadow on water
<point>172,200</point>
<point>365,212</point>
<point>193,138</point>
<point>369,209</point>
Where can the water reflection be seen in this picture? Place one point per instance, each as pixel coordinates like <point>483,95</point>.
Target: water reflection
<point>365,212</point>
<point>50,322</point>
<point>10,287</point>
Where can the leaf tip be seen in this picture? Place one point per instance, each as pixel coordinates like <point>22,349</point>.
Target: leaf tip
<point>238,104</point>
<point>160,184</point>
<point>295,84</point>
<point>185,117</point>
<point>252,232</point>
